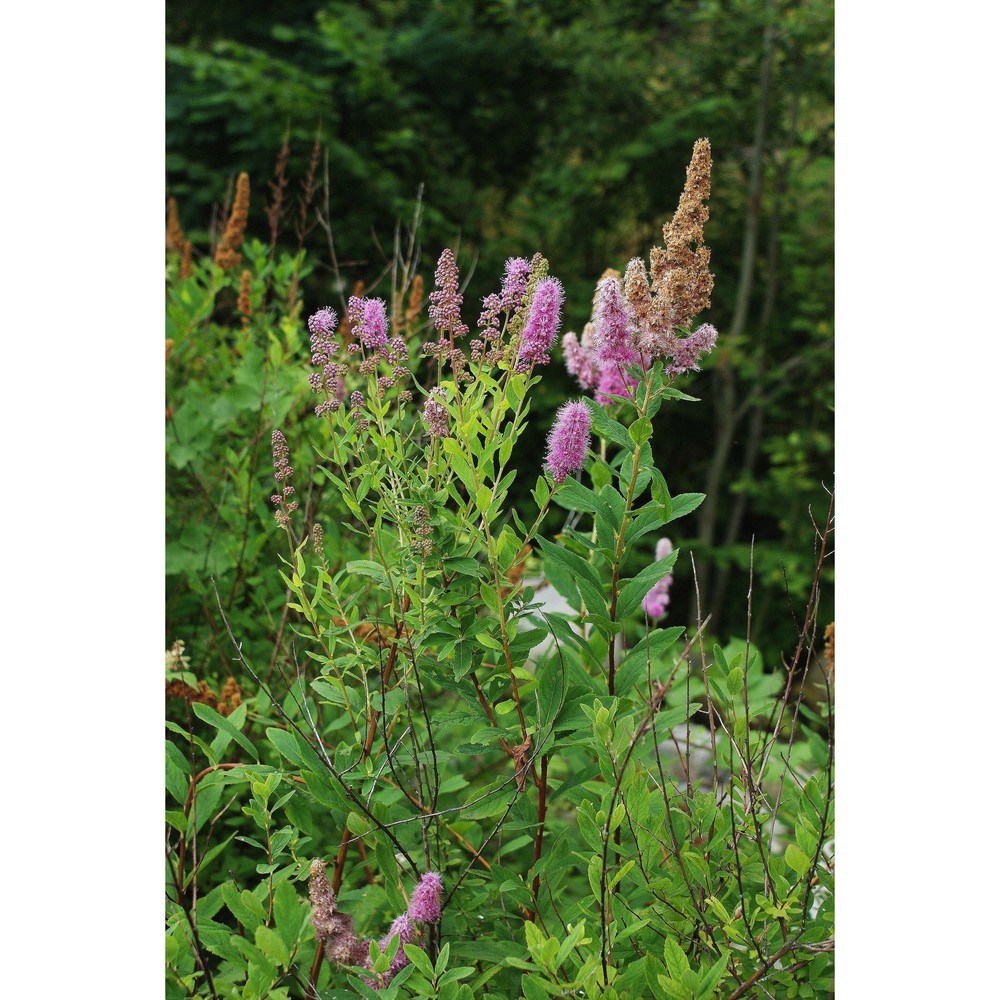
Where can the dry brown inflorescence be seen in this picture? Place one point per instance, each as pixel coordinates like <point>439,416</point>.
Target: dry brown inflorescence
<point>226,255</point>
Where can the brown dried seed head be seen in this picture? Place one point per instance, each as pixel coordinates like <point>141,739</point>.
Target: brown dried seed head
<point>230,697</point>
<point>175,235</point>
<point>680,273</point>
<point>226,256</point>
<point>185,268</point>
<point>415,302</point>
<point>243,303</point>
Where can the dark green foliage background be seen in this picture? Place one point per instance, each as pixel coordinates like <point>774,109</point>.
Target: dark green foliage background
<point>566,128</point>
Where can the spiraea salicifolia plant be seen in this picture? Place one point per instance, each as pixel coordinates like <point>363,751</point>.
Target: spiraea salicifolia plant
<point>576,800</point>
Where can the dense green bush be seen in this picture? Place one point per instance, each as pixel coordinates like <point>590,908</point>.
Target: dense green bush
<point>424,677</point>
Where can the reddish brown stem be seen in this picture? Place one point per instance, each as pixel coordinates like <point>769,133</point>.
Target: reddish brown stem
<point>539,833</point>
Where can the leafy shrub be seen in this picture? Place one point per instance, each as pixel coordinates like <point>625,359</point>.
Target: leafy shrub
<point>523,784</point>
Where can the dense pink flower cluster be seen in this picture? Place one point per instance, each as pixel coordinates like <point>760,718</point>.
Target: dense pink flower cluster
<point>543,322</point>
<point>658,596</point>
<point>329,380</point>
<point>425,903</point>
<point>614,335</point>
<point>627,330</point>
<point>568,440</point>
<point>607,347</point>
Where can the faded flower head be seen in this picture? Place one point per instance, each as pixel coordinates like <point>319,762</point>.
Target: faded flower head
<point>175,234</point>
<point>244,304</point>
<point>445,308</point>
<point>282,470</point>
<point>543,322</point>
<point>687,351</point>
<point>515,283</point>
<point>568,440</point>
<point>682,281</point>
<point>177,659</point>
<point>436,414</point>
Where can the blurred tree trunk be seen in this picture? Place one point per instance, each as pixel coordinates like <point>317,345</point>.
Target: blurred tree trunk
<point>757,402</point>
<point>724,396</point>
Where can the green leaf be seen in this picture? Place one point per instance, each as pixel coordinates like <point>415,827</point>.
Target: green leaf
<point>690,979</point>
<point>633,591</point>
<point>711,977</point>
<point>420,959</point>
<point>600,475</point>
<point>284,743</point>
<point>673,990</point>
<point>797,859</point>
<point>458,462</point>
<point>604,426</point>
<point>676,960</point>
<point>220,722</point>
<point>244,906</point>
<point>541,492</point>
<point>684,503</point>
<point>573,495</point>
<point>442,962</point>
<point>367,567</point>
<point>483,498</point>
<point>583,574</point>
<point>641,430</point>
<point>271,945</point>
<point>288,914</point>
<point>632,669</point>
<point>491,801</point>
<point>531,989</point>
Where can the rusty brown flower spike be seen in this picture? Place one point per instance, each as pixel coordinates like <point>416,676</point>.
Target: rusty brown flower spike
<point>226,255</point>
<point>243,303</point>
<point>175,235</point>
<point>185,269</point>
<point>682,280</point>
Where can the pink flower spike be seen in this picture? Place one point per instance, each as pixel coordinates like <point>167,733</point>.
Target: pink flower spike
<point>543,322</point>
<point>579,361</point>
<point>614,379</point>
<point>407,931</point>
<point>568,440</point>
<point>374,324</point>
<point>658,597</point>
<point>614,336</point>
<point>425,903</point>
<point>515,282</point>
